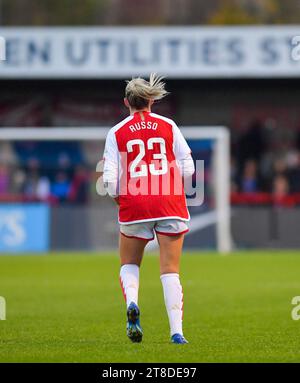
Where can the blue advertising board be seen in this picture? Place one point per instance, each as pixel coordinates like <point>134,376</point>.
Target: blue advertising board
<point>24,228</point>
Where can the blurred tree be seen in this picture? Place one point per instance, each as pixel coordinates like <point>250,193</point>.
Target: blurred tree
<point>53,12</point>
<point>256,12</point>
<point>134,12</point>
<point>148,12</point>
<point>231,13</point>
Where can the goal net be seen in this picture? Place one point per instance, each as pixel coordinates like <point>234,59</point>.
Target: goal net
<point>56,168</point>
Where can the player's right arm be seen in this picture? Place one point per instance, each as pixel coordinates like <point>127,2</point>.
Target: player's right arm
<point>111,165</point>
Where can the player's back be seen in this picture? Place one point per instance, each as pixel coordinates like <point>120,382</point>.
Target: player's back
<point>145,138</point>
<point>150,183</point>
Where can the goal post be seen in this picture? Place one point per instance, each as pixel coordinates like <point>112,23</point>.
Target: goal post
<point>221,215</point>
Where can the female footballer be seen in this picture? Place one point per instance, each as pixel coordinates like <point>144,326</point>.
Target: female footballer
<point>146,160</point>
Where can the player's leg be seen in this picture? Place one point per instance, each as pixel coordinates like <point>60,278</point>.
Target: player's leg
<point>131,255</point>
<point>133,239</point>
<point>170,253</point>
<point>170,243</point>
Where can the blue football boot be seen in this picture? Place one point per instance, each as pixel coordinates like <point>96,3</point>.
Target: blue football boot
<point>134,330</point>
<point>178,339</point>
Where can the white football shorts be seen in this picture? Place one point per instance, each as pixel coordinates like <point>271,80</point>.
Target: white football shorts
<point>145,230</point>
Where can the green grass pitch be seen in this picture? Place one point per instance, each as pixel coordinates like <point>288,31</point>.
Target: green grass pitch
<point>69,308</point>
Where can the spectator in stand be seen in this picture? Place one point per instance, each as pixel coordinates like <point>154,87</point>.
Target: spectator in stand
<point>18,182</point>
<point>252,143</point>
<point>4,179</point>
<point>249,181</point>
<point>64,161</point>
<point>61,187</point>
<point>79,186</point>
<point>31,178</point>
<point>279,166</point>
<point>43,189</point>
<point>36,187</point>
<point>281,191</point>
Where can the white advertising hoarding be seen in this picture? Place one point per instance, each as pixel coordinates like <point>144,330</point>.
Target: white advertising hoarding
<point>177,52</point>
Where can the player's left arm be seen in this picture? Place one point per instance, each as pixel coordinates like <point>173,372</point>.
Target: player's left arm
<point>182,153</point>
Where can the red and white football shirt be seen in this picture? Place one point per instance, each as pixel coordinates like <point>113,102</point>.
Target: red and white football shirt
<point>141,160</point>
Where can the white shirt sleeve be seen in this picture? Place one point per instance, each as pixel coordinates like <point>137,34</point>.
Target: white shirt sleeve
<point>182,153</point>
<point>111,165</point>
<point>181,148</point>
